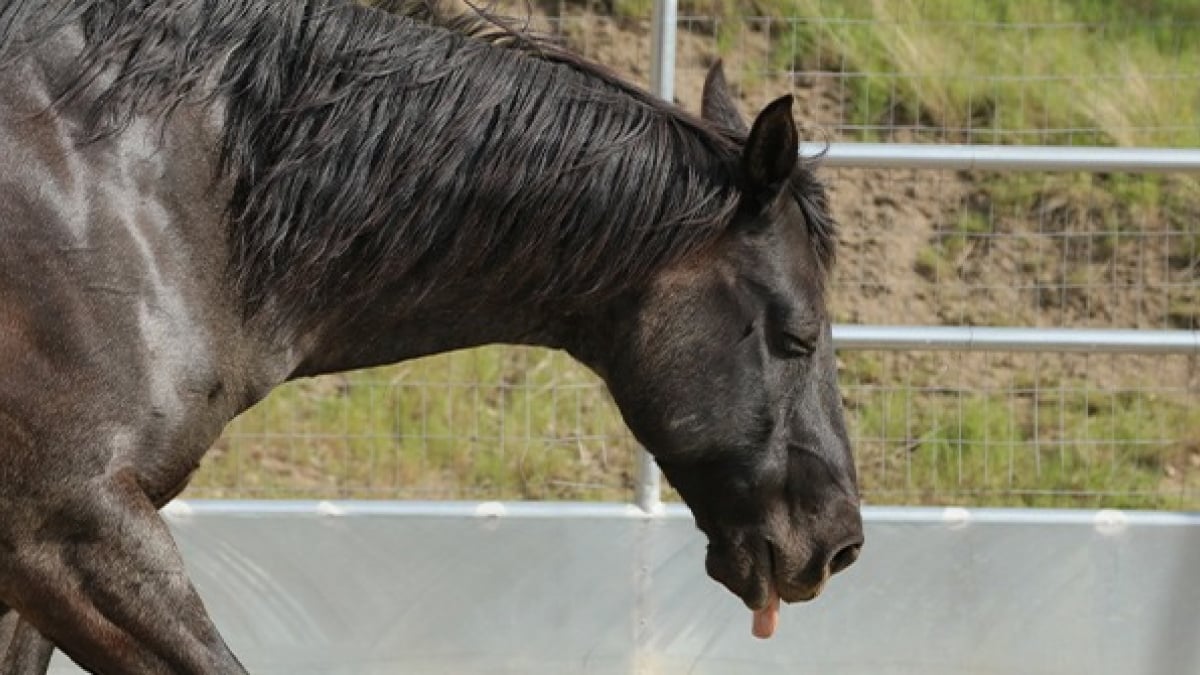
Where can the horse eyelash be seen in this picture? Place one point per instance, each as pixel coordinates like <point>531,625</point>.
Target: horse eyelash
<point>747,331</point>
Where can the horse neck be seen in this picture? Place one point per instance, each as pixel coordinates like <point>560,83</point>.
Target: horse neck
<point>384,334</point>
<point>457,271</point>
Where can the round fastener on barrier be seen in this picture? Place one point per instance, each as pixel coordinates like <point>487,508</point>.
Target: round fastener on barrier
<point>490,512</point>
<point>956,517</point>
<point>327,508</point>
<point>177,509</point>
<point>1111,522</point>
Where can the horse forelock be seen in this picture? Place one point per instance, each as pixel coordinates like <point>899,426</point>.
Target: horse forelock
<point>370,150</point>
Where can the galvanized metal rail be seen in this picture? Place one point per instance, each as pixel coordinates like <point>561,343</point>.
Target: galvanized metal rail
<point>1036,158</point>
<point>1016,339</point>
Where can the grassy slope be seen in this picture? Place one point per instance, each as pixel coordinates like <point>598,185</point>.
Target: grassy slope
<point>498,423</point>
<point>1011,71</point>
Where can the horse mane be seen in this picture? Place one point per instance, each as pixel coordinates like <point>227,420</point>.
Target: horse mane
<point>482,23</point>
<point>539,171</point>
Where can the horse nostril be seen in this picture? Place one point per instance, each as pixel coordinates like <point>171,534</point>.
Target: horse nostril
<point>844,558</point>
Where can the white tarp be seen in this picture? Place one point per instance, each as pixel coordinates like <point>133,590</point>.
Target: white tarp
<point>553,588</point>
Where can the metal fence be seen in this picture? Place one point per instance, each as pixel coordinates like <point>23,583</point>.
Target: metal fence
<point>944,233</point>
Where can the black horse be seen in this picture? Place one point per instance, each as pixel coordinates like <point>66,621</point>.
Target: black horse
<point>202,199</point>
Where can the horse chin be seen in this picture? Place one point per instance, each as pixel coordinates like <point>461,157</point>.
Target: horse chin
<point>753,574</point>
<point>749,574</point>
<point>746,571</point>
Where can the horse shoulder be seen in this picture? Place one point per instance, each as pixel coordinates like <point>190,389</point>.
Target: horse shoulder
<point>122,342</point>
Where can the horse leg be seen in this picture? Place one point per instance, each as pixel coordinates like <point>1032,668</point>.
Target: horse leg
<point>102,578</point>
<point>23,650</point>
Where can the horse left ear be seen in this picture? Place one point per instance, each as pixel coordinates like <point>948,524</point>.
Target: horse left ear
<point>772,149</point>
<point>716,104</point>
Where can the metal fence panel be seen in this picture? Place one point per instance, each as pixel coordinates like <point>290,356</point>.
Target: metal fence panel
<point>569,588</point>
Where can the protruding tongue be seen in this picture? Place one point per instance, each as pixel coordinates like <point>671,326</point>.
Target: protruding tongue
<point>766,620</point>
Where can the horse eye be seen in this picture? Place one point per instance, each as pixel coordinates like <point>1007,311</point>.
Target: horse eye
<point>795,346</point>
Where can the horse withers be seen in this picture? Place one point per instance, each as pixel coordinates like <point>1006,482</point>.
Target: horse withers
<point>202,199</point>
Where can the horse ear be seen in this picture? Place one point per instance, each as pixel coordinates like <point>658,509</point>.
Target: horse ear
<point>772,149</point>
<point>716,104</point>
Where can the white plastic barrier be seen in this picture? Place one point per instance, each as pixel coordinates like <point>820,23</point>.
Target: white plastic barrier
<point>541,588</point>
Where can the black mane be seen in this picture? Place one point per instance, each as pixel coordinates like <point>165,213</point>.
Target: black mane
<point>367,147</point>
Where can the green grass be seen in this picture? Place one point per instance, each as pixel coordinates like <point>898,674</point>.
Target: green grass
<point>961,64</point>
<point>515,423</point>
<point>495,422</point>
<point>1011,71</point>
<point>1065,447</point>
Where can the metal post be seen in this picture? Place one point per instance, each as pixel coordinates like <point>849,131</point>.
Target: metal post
<point>662,81</point>
<point>662,48</point>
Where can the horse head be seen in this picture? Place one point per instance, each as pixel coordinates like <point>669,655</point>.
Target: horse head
<point>724,370</point>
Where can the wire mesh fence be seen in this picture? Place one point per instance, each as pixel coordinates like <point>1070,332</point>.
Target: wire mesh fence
<point>1085,72</point>
<point>1016,249</point>
<point>489,423</point>
<point>917,248</point>
<point>1025,429</point>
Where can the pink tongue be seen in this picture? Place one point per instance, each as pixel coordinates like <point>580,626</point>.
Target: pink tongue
<point>766,620</point>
